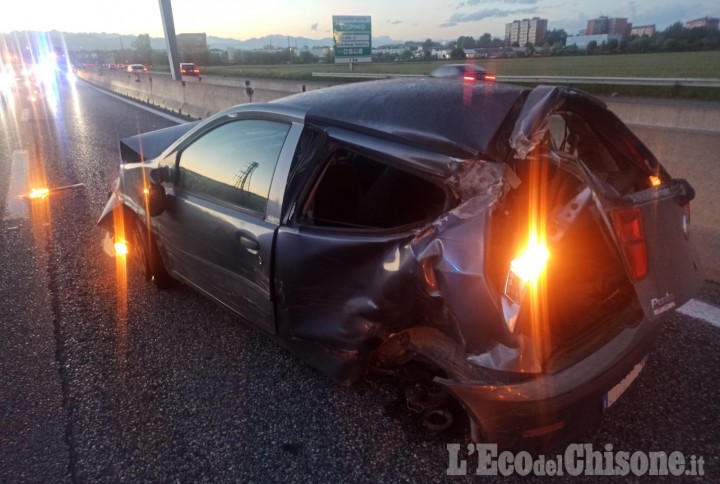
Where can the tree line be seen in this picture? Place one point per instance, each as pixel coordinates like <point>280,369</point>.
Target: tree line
<point>675,38</point>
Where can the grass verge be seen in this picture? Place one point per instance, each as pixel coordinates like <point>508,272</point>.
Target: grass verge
<point>704,65</point>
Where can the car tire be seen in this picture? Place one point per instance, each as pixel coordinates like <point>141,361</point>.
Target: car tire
<point>148,257</point>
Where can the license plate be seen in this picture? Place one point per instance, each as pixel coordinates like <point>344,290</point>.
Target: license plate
<point>615,392</point>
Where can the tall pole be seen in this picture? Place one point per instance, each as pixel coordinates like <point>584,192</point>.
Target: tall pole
<point>170,38</point>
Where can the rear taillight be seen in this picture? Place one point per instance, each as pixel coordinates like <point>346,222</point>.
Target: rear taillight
<point>629,228</point>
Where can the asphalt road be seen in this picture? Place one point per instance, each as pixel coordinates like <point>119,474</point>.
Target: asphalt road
<point>101,385</point>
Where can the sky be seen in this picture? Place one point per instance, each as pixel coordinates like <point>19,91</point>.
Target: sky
<point>399,20</point>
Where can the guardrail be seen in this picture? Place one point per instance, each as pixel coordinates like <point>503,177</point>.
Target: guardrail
<point>631,81</point>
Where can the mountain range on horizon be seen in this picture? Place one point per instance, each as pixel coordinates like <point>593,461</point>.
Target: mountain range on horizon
<point>109,41</point>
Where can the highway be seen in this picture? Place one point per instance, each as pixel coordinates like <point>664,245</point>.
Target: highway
<point>99,382</point>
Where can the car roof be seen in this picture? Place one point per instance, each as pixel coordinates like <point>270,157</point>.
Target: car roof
<point>444,115</point>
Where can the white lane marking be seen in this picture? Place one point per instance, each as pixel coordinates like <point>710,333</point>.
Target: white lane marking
<point>16,207</point>
<point>700,310</point>
<point>141,106</point>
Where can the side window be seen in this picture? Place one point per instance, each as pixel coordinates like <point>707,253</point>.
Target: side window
<point>234,162</point>
<point>355,191</point>
<point>571,134</point>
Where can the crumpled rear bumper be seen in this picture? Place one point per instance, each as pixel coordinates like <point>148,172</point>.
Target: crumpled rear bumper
<point>551,409</point>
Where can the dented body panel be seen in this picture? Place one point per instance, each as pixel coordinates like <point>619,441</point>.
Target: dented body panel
<point>389,237</point>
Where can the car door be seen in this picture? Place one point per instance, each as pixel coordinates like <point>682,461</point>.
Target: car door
<point>222,212</point>
<point>342,260</point>
<point>654,220</point>
<point>674,271</point>
<point>648,215</point>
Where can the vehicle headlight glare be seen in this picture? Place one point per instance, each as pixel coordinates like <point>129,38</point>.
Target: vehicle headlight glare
<point>531,262</point>
<point>38,193</point>
<point>526,269</point>
<point>121,248</point>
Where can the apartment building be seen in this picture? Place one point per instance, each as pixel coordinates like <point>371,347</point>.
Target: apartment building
<point>526,31</point>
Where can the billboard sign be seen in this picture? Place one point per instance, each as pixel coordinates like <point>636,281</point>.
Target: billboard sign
<point>353,38</point>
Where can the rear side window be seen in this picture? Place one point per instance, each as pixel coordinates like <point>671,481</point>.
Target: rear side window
<point>572,135</point>
<point>234,163</point>
<point>355,191</point>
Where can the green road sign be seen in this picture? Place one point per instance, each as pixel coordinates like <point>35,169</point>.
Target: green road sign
<point>353,38</point>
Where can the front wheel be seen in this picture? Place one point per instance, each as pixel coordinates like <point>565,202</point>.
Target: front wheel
<point>148,255</point>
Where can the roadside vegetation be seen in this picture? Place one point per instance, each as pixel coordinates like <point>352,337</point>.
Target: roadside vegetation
<point>705,65</point>
<point>676,52</point>
<point>661,65</point>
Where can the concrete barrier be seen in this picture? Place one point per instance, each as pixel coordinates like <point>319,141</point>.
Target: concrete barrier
<point>190,97</point>
<point>684,135</point>
<point>664,113</point>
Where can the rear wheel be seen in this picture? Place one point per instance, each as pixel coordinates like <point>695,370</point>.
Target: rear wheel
<point>148,257</point>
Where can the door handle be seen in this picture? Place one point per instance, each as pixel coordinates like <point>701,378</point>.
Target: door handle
<point>249,243</point>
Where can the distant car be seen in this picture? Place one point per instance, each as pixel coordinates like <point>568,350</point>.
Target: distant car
<point>189,69</point>
<point>136,68</point>
<point>10,79</point>
<point>511,249</point>
<point>467,72</point>
<point>22,80</point>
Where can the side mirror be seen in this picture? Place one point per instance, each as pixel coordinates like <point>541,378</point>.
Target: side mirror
<point>161,175</point>
<point>155,199</point>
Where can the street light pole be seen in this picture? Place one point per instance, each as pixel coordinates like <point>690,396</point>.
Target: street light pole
<point>170,38</point>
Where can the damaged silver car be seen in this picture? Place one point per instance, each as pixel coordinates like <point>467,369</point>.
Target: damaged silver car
<point>507,249</point>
